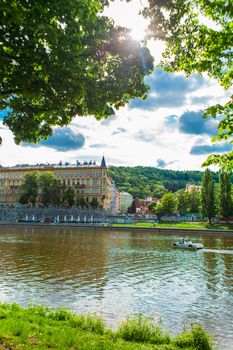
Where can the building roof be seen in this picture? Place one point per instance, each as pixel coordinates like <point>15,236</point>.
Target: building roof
<point>48,166</point>
<point>103,163</point>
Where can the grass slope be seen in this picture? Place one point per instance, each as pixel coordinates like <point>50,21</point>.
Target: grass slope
<point>189,225</point>
<point>42,328</point>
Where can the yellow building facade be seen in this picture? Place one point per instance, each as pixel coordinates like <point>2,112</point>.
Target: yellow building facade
<point>88,181</point>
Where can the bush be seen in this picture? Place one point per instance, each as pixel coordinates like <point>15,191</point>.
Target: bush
<point>196,338</point>
<point>142,329</point>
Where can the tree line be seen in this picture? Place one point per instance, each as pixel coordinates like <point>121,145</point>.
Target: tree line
<point>214,199</point>
<point>47,189</point>
<point>142,181</point>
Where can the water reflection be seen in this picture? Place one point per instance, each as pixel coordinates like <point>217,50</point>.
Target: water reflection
<point>115,274</point>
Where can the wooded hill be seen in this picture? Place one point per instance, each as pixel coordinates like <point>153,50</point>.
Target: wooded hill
<point>149,181</point>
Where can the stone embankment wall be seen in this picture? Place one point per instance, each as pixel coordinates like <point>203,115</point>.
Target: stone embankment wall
<point>51,215</point>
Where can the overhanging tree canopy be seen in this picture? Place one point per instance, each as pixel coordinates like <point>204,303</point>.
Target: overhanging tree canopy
<point>62,58</point>
<point>199,38</point>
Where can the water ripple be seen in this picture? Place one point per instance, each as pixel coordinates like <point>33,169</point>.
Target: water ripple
<point>114,274</point>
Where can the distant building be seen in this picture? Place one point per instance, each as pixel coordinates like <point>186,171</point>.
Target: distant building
<point>87,179</point>
<point>190,188</point>
<point>113,201</point>
<point>125,201</point>
<point>141,206</point>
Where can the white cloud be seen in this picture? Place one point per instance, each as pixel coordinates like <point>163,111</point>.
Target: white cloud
<point>131,137</point>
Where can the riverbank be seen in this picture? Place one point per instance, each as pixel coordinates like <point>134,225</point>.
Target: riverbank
<point>43,328</point>
<point>147,227</point>
<point>180,225</point>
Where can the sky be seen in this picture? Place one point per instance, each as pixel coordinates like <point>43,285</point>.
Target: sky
<point>165,130</point>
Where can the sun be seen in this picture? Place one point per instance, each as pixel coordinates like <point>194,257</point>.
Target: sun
<point>138,31</point>
<point>127,15</point>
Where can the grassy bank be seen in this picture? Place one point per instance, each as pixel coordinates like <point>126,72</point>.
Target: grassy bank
<point>42,328</point>
<point>188,225</point>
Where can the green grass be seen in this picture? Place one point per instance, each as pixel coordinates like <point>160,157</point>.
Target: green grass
<point>42,328</point>
<point>191,225</point>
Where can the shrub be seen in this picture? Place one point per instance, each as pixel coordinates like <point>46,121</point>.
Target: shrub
<point>88,323</point>
<point>196,338</point>
<point>142,329</point>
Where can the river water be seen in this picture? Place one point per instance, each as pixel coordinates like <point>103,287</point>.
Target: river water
<point>114,274</point>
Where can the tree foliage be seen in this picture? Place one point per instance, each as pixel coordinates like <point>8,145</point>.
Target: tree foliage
<point>152,206</point>
<point>29,188</point>
<point>225,200</point>
<point>182,201</point>
<point>136,180</point>
<point>193,201</point>
<point>59,59</point>
<point>44,187</point>
<point>68,197</point>
<point>94,203</point>
<point>208,207</point>
<point>50,189</point>
<point>192,45</point>
<point>81,202</point>
<point>168,204</point>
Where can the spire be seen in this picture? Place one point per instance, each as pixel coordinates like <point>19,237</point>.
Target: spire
<point>103,163</point>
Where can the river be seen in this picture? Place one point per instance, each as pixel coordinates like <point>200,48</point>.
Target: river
<point>114,274</point>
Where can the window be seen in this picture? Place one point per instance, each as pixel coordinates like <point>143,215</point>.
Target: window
<point>103,190</point>
<point>103,182</point>
<point>104,173</point>
<point>96,173</point>
<point>95,181</point>
<point>88,181</point>
<point>83,181</point>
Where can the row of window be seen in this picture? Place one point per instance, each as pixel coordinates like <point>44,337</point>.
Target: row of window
<point>93,190</point>
<point>81,174</point>
<point>9,182</point>
<point>11,176</point>
<point>86,191</point>
<point>2,191</point>
<point>59,174</point>
<point>84,182</point>
<point>8,199</point>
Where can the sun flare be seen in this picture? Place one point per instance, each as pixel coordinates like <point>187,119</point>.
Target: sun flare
<point>126,15</point>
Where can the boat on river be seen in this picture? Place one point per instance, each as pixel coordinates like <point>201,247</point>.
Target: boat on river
<point>187,245</point>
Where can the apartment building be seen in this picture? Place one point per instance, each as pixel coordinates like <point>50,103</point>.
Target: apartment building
<point>125,201</point>
<point>87,179</point>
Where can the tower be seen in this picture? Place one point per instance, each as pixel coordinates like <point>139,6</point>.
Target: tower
<point>103,163</point>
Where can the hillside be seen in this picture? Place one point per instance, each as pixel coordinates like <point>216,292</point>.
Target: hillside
<point>149,181</point>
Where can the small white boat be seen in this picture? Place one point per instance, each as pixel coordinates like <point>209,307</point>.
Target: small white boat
<point>187,245</point>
